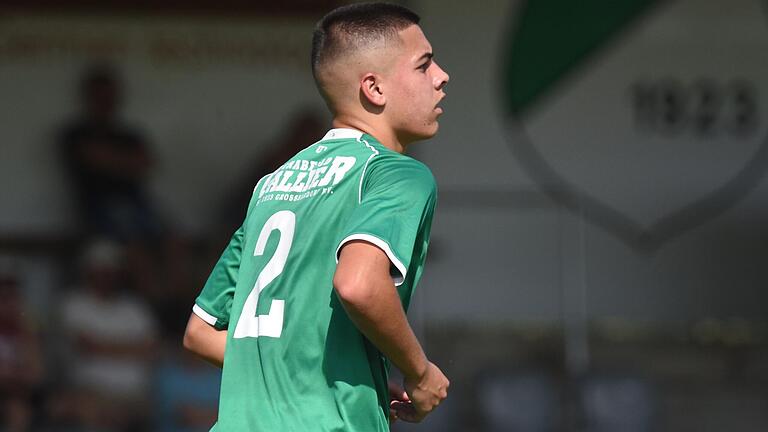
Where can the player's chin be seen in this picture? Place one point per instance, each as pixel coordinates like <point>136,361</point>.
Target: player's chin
<point>434,127</point>
<point>426,130</point>
<point>427,133</point>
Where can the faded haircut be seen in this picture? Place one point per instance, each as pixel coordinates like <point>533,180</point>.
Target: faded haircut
<point>349,28</point>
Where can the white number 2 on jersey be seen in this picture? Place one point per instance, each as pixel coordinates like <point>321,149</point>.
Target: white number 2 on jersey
<point>249,324</point>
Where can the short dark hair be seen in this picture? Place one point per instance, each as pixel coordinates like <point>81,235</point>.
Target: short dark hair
<point>357,24</point>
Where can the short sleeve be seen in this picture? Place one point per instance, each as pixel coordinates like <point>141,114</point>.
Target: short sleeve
<point>396,204</point>
<point>214,303</point>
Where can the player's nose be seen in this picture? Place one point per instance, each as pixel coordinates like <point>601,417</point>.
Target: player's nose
<point>441,77</point>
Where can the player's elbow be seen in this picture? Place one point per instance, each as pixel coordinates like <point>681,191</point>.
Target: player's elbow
<point>192,336</point>
<point>352,291</point>
<point>189,340</point>
<point>344,286</point>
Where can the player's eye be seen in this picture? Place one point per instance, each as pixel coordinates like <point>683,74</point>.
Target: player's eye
<point>423,67</point>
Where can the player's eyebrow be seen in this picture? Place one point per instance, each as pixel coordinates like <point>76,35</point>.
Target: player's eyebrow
<point>426,56</point>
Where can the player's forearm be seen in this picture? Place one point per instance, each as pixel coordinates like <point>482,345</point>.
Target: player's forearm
<point>205,340</point>
<point>379,315</point>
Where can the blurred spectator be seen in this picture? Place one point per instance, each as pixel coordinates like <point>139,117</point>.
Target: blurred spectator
<point>108,163</point>
<point>186,392</point>
<point>21,364</point>
<point>110,335</point>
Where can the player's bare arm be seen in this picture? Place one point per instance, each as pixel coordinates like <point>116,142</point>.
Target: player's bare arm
<point>365,288</point>
<point>205,340</point>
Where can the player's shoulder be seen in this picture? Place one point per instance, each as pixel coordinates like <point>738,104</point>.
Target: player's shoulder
<point>380,164</point>
<point>401,169</point>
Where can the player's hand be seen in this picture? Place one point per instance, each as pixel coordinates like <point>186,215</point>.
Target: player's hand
<point>426,393</point>
<point>397,395</point>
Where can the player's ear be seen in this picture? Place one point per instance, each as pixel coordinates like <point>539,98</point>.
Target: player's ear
<point>372,89</point>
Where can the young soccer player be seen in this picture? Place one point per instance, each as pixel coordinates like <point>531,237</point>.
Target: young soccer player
<point>309,296</point>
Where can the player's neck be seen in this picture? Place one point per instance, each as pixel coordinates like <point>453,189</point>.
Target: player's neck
<point>386,136</point>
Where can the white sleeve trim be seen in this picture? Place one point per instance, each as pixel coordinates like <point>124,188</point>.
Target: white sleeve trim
<point>205,316</point>
<point>381,244</point>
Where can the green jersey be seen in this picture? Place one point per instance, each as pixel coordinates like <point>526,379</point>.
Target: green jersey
<point>294,360</point>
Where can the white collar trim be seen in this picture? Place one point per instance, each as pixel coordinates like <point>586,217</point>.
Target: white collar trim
<point>342,133</point>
